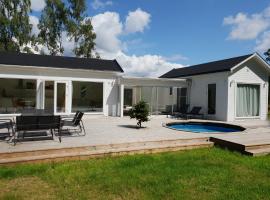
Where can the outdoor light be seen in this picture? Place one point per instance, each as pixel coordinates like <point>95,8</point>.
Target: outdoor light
<point>231,83</point>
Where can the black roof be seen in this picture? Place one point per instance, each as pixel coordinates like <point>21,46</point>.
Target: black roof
<point>206,68</point>
<point>35,60</point>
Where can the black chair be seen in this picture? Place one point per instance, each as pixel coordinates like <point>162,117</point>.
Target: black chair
<point>183,110</point>
<point>9,125</point>
<point>75,122</point>
<point>195,111</point>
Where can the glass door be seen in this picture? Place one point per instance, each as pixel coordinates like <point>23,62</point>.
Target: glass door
<point>60,97</point>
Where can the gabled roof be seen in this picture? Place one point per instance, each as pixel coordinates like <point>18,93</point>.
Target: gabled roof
<point>206,68</point>
<point>23,59</point>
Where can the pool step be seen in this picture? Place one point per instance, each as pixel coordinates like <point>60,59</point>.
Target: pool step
<point>103,150</point>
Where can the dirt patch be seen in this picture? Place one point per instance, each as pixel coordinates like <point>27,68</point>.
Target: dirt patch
<point>26,188</point>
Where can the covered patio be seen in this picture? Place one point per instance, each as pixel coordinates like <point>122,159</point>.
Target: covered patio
<point>163,96</point>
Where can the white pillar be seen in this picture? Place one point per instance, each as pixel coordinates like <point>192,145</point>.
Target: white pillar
<point>121,98</point>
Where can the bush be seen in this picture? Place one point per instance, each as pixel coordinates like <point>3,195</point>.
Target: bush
<point>140,112</point>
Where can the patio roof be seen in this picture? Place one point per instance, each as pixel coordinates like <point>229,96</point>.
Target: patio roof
<point>162,82</point>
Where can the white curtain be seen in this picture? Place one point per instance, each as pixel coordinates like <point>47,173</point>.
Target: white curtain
<point>248,100</point>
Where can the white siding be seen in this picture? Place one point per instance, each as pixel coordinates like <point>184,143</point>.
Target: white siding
<point>249,73</point>
<point>199,93</point>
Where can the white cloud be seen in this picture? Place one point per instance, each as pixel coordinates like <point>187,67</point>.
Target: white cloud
<point>175,57</point>
<point>244,27</point>
<point>146,65</point>
<point>263,43</point>
<point>37,5</point>
<point>137,21</point>
<point>34,21</point>
<point>108,28</point>
<point>97,4</point>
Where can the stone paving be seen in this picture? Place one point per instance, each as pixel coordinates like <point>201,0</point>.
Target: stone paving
<point>102,130</point>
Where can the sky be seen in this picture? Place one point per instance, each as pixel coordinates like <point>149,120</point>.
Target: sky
<point>150,37</point>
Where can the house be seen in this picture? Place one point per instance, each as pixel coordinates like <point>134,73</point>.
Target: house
<point>64,85</point>
<point>227,90</point>
<point>230,89</point>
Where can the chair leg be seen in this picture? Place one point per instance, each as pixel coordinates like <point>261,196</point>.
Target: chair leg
<point>82,126</point>
<point>51,132</point>
<point>59,135</point>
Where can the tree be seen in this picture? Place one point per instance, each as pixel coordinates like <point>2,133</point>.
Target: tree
<point>15,29</point>
<point>85,45</point>
<point>80,29</point>
<point>140,112</point>
<point>52,24</point>
<point>267,54</point>
<point>67,17</point>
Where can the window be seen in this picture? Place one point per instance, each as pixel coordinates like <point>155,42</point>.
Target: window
<point>181,98</point>
<point>128,97</point>
<point>211,99</point>
<point>17,95</point>
<point>87,97</point>
<point>171,90</point>
<point>247,100</point>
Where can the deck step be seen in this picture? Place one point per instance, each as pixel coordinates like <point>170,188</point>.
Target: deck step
<point>257,146</point>
<point>98,151</point>
<point>258,152</point>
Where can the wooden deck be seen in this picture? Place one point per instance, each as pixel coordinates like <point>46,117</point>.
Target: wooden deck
<point>255,141</point>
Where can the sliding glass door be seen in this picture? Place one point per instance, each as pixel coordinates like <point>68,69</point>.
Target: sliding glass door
<point>247,100</point>
<point>61,97</point>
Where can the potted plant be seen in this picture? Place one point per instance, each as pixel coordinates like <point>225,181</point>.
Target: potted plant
<point>140,112</point>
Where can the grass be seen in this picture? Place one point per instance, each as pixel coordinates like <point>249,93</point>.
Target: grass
<point>196,174</point>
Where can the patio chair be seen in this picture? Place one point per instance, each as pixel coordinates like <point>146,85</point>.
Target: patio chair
<point>183,110</point>
<point>9,125</point>
<point>76,123</point>
<point>195,111</point>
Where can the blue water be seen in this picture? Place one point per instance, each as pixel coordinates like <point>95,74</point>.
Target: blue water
<point>200,128</point>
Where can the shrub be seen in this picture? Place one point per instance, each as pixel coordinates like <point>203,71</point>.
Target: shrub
<point>140,112</point>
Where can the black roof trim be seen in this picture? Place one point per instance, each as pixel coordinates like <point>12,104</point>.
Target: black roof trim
<point>206,68</point>
<point>35,60</point>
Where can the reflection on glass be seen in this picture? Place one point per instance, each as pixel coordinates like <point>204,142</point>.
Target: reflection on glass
<point>49,93</point>
<point>61,97</point>
<point>87,96</point>
<point>17,95</point>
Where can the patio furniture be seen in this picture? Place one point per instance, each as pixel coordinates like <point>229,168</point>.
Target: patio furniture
<point>25,123</point>
<point>75,123</point>
<point>7,124</point>
<point>195,112</point>
<point>183,110</point>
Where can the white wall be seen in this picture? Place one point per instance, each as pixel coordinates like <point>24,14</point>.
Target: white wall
<point>249,73</point>
<point>199,93</point>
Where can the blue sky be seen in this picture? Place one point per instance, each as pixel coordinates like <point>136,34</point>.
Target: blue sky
<point>177,33</point>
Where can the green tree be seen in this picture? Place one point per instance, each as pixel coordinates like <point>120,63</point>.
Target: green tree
<point>67,17</point>
<point>267,54</point>
<point>52,24</point>
<point>85,45</point>
<point>80,29</point>
<point>15,29</point>
<point>140,112</point>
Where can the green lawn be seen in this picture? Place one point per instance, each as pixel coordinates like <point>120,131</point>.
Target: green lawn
<point>196,174</point>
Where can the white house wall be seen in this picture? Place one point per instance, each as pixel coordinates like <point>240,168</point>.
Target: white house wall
<point>248,73</point>
<point>199,93</point>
